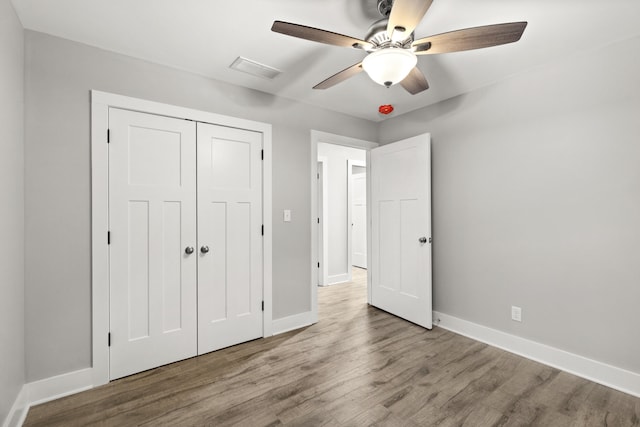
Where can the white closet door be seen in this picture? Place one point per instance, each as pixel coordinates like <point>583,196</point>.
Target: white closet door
<point>229,236</point>
<point>152,212</point>
<point>400,264</point>
<point>359,220</point>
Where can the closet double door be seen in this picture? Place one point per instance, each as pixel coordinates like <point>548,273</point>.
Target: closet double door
<point>185,251</point>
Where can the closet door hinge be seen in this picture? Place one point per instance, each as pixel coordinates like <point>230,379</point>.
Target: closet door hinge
<point>108,237</point>
<point>108,136</point>
<point>109,339</point>
<point>262,305</point>
<point>318,220</point>
<point>318,265</point>
<point>263,229</point>
<point>261,154</point>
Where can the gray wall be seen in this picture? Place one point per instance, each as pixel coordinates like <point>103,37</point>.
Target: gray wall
<point>59,75</point>
<point>11,207</point>
<point>536,203</point>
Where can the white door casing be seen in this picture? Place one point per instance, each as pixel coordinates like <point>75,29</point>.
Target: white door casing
<point>230,227</point>
<point>400,264</point>
<point>318,137</point>
<point>359,219</point>
<point>323,271</point>
<point>152,208</point>
<point>101,105</point>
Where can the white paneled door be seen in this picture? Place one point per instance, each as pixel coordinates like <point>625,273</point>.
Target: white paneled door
<point>152,210</point>
<point>359,219</point>
<point>229,236</point>
<point>186,254</point>
<point>400,263</point>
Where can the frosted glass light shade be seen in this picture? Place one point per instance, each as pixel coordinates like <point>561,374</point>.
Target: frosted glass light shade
<point>389,66</point>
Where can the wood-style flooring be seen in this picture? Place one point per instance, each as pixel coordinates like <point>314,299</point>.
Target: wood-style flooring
<point>358,366</point>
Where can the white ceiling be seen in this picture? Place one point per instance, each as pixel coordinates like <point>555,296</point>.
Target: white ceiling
<point>206,36</point>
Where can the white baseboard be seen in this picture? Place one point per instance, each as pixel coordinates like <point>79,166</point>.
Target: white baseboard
<point>297,321</point>
<point>601,373</point>
<point>46,390</point>
<point>59,386</point>
<point>338,278</point>
<point>18,411</point>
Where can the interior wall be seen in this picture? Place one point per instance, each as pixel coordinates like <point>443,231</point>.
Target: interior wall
<point>536,200</point>
<point>59,76</point>
<point>337,223</point>
<point>12,371</point>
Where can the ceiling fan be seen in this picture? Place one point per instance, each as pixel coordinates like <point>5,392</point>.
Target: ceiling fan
<point>391,47</point>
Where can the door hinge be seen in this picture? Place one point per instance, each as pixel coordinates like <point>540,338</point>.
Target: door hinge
<point>109,339</point>
<point>108,136</point>
<point>318,176</point>
<point>108,237</point>
<point>318,265</point>
<point>318,220</point>
<point>261,154</point>
<point>262,305</point>
<point>263,229</point>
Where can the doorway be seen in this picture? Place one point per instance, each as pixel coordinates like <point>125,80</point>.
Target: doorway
<point>336,219</point>
<point>331,260</point>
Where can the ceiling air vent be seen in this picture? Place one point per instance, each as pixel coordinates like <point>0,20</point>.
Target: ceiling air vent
<point>254,68</point>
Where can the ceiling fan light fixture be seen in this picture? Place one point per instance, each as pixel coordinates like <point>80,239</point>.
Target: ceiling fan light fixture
<point>389,66</point>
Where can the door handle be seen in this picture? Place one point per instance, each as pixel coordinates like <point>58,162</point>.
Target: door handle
<point>204,249</point>
<point>188,250</point>
<point>422,240</point>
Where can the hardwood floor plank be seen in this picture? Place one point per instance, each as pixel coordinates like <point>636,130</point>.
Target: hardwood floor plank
<point>357,366</point>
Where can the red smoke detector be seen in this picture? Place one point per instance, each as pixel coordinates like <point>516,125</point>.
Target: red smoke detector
<point>385,109</point>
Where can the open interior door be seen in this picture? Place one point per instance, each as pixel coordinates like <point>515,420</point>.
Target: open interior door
<point>400,264</point>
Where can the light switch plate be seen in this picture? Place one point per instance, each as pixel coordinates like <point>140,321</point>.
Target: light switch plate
<point>287,215</point>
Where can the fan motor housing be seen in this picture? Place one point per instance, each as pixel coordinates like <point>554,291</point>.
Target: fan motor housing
<point>377,35</point>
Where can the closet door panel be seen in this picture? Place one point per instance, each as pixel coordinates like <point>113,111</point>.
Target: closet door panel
<point>152,219</point>
<point>229,236</point>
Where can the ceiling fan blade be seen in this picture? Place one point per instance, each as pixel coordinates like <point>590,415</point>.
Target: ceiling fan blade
<point>470,38</point>
<point>340,77</point>
<point>318,35</point>
<point>405,16</point>
<point>415,82</point>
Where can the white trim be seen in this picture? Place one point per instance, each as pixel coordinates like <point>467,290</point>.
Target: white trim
<point>317,137</point>
<point>46,390</point>
<point>368,227</point>
<point>592,370</point>
<point>338,278</point>
<point>18,410</point>
<point>100,104</point>
<point>324,259</point>
<point>99,249</point>
<point>59,386</point>
<point>290,323</point>
<point>267,239</point>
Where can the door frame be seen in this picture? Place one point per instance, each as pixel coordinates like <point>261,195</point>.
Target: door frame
<point>330,138</point>
<point>323,251</point>
<point>100,104</point>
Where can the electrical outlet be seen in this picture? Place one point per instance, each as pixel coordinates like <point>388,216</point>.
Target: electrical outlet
<point>516,313</point>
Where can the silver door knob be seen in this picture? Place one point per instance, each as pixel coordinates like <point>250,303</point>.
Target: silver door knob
<point>422,240</point>
<point>204,249</point>
<point>188,250</point>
